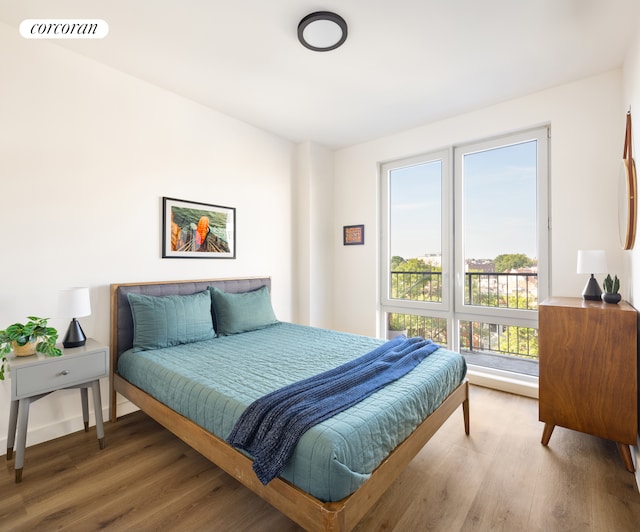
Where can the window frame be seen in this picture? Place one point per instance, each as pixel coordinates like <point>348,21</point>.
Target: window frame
<point>436,309</point>
<point>505,316</point>
<point>452,306</point>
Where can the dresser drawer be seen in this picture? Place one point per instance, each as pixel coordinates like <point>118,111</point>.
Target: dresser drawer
<point>57,373</point>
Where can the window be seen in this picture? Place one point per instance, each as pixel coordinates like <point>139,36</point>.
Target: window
<point>464,247</point>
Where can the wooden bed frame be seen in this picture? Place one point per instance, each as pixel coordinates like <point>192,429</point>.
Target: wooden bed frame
<point>307,511</point>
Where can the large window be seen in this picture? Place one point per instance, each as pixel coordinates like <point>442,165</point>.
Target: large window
<point>465,247</point>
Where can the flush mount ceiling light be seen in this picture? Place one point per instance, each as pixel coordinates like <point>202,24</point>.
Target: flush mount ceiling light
<point>322,31</point>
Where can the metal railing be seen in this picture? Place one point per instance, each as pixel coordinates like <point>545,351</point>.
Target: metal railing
<point>493,338</point>
<point>485,289</point>
<point>416,286</point>
<point>505,290</point>
<point>413,325</point>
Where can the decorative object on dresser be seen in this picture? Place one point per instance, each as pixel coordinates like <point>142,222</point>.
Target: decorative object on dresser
<point>27,339</point>
<point>588,370</point>
<point>611,287</point>
<point>592,261</point>
<point>74,303</point>
<point>36,377</point>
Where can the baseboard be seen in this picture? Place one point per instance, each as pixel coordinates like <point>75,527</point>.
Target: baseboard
<point>504,381</point>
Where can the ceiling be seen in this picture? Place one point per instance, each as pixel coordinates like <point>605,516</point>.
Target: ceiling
<point>404,64</point>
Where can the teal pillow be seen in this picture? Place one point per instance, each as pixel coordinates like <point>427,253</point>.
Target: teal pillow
<point>163,321</point>
<point>242,312</point>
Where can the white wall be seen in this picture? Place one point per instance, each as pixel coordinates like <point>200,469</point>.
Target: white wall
<point>587,129</point>
<point>313,232</point>
<point>631,100</point>
<point>86,153</point>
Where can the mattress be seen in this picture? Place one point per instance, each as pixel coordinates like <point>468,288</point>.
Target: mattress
<point>212,382</point>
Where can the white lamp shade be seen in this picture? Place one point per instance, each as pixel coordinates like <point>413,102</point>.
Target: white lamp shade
<point>592,261</point>
<point>74,303</point>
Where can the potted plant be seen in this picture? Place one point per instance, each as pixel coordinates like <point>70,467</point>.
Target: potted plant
<point>611,287</point>
<point>27,339</point>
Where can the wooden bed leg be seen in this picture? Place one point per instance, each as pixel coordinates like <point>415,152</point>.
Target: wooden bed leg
<point>113,398</point>
<point>625,453</point>
<point>113,415</point>
<point>546,433</point>
<point>465,414</point>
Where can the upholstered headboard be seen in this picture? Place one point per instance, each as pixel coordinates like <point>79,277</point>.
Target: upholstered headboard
<point>122,320</point>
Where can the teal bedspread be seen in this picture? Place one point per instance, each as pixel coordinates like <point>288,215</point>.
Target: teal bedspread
<point>213,382</point>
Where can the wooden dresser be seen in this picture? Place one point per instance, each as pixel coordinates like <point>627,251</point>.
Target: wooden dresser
<point>589,370</point>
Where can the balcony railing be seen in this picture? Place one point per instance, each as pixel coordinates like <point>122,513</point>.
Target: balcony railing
<point>493,338</point>
<point>416,286</point>
<point>484,289</point>
<point>504,290</point>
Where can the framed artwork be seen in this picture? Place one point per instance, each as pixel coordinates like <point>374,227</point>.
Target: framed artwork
<point>353,235</point>
<point>194,230</point>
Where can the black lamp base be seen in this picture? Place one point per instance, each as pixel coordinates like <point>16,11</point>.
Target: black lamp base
<point>75,335</point>
<point>592,290</point>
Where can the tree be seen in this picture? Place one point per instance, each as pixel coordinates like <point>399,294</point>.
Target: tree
<point>512,261</point>
<point>396,260</point>
<point>413,265</point>
<point>415,280</point>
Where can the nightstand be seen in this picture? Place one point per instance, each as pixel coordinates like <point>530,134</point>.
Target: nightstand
<point>36,376</point>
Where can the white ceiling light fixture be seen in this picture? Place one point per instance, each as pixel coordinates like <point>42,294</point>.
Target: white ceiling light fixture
<point>322,31</point>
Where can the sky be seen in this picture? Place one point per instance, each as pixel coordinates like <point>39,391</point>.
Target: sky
<point>498,202</point>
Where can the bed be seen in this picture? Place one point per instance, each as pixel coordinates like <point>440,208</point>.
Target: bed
<point>334,494</point>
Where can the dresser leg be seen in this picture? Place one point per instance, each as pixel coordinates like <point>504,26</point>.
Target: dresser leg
<point>546,433</point>
<point>625,453</point>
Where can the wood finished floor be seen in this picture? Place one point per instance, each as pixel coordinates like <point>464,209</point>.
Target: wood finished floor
<point>498,478</point>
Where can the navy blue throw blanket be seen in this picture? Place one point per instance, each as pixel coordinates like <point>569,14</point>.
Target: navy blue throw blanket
<point>271,426</point>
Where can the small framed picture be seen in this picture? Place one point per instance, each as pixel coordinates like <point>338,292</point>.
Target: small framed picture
<point>353,235</point>
<point>194,230</point>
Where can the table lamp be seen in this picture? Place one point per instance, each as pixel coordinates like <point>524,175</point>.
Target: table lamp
<point>592,261</point>
<point>76,303</point>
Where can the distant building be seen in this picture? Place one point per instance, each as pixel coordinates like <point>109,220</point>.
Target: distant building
<point>481,265</point>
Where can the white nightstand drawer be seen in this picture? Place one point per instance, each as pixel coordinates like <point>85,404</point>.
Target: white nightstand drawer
<point>57,373</point>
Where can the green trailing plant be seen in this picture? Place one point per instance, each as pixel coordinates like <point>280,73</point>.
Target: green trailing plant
<point>611,286</point>
<point>35,330</point>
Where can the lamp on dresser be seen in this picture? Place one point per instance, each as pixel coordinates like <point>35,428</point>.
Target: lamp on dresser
<point>74,303</point>
<point>592,261</point>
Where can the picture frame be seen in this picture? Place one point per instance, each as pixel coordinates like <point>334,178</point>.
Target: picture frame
<point>353,235</point>
<point>195,230</point>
